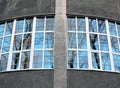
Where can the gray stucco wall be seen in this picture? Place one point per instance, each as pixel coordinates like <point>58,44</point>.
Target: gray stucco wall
<point>92,79</point>
<point>27,79</point>
<point>19,8</point>
<point>99,8</point>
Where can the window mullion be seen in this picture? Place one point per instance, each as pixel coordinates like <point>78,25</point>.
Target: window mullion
<point>88,44</point>
<point>11,47</point>
<point>110,48</point>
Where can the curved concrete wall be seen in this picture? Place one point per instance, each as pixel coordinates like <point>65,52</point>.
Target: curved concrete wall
<point>20,8</point>
<point>92,79</point>
<point>109,9</point>
<point>27,79</point>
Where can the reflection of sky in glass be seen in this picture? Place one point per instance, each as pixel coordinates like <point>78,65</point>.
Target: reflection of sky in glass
<point>116,59</point>
<point>40,24</point>
<point>118,28</point>
<point>112,28</point>
<point>101,26</point>
<point>92,25</point>
<point>9,27</point>
<point>71,24</point>
<point>49,24</point>
<point>83,59</point>
<point>19,26</point>
<point>2,29</point>
<point>106,65</point>
<point>81,24</point>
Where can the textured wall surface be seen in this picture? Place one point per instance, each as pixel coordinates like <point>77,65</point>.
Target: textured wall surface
<point>92,79</point>
<point>19,8</point>
<point>27,79</point>
<point>100,8</point>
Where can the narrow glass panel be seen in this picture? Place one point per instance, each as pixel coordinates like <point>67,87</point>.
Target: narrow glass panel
<point>71,40</point>
<point>116,59</point>
<point>83,59</point>
<point>118,28</point>
<point>49,24</point>
<point>39,37</point>
<point>106,65</point>
<point>72,59</point>
<point>48,59</point>
<point>40,24</point>
<point>15,60</point>
<point>114,44</point>
<point>19,26</point>
<point>94,41</point>
<point>37,60</point>
<point>81,24</point>
<point>9,27</point>
<point>17,42</point>
<point>25,59</point>
<point>28,25</point>
<point>3,62</point>
<point>103,43</point>
<point>27,41</point>
<point>6,44</point>
<point>92,25</point>
<point>112,28</point>
<point>49,40</point>
<point>95,60</point>
<point>1,43</point>
<point>101,26</point>
<point>2,29</point>
<point>71,24</point>
<point>82,42</point>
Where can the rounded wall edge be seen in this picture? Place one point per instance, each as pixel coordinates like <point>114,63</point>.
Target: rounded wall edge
<point>108,9</point>
<point>10,9</point>
<point>27,79</point>
<point>92,79</point>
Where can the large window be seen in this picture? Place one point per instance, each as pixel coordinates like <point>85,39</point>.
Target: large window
<point>93,44</point>
<point>27,43</point>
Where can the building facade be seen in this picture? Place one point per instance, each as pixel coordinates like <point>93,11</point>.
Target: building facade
<point>59,43</point>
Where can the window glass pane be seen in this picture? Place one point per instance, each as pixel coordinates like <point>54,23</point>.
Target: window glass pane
<point>39,37</point>
<point>15,60</point>
<point>71,40</point>
<point>37,59</point>
<point>71,24</point>
<point>83,59</point>
<point>72,59</point>
<point>116,59</point>
<point>114,44</point>
<point>94,42</point>
<point>106,65</point>
<point>28,25</point>
<point>92,25</point>
<point>25,59</point>
<point>0,43</point>
<point>112,28</point>
<point>6,44</point>
<point>49,40</point>
<point>2,29</point>
<point>40,24</point>
<point>103,43</point>
<point>49,24</point>
<point>27,41</point>
<point>17,42</point>
<point>19,26</point>
<point>48,59</point>
<point>82,42</point>
<point>9,27</point>
<point>3,62</point>
<point>81,24</point>
<point>118,28</point>
<point>101,26</point>
<point>95,60</point>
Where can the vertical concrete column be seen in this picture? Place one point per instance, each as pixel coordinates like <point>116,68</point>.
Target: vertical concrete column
<point>60,72</point>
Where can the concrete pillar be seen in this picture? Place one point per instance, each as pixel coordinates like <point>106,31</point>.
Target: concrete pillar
<point>60,72</point>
